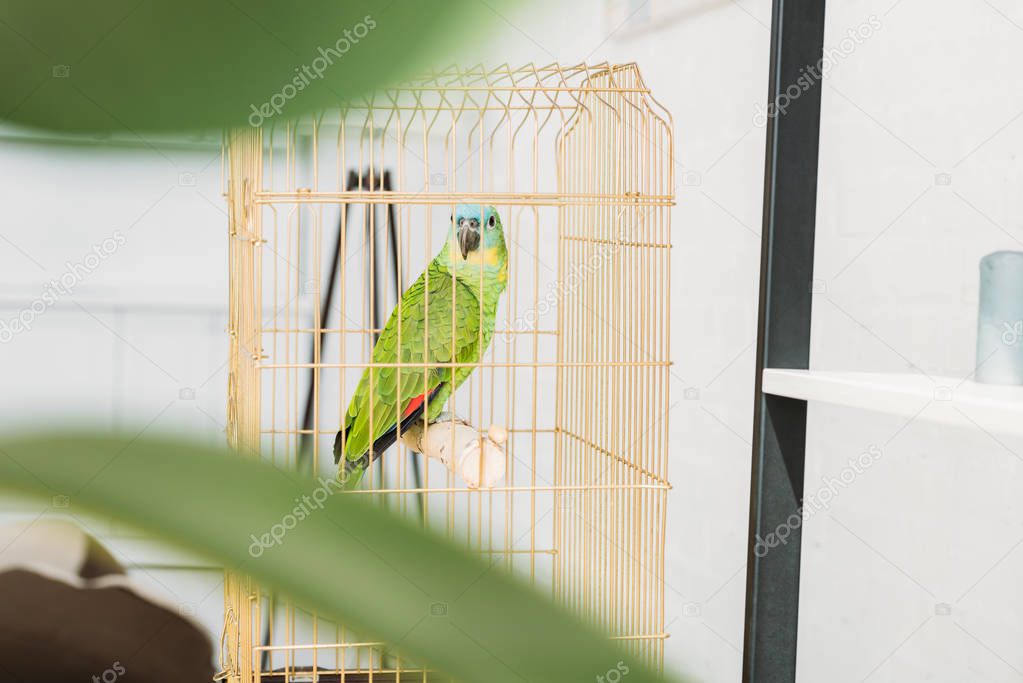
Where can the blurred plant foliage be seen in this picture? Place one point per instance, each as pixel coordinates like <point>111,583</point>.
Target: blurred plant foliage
<point>351,559</point>
<point>175,65</point>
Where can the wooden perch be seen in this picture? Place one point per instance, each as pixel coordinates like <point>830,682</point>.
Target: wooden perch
<point>477,459</point>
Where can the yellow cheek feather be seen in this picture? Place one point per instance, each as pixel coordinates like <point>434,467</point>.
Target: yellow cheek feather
<point>487,257</point>
<point>493,257</point>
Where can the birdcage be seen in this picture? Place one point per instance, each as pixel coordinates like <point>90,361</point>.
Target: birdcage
<point>333,215</point>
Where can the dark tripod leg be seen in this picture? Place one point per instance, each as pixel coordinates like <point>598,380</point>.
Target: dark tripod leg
<point>306,436</point>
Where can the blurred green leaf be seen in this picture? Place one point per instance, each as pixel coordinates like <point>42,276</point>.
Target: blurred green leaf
<point>194,64</point>
<point>350,559</point>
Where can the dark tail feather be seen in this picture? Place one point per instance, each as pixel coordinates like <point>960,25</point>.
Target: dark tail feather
<point>383,442</point>
<point>338,441</point>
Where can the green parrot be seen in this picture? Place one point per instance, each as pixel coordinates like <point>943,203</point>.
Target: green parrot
<point>468,275</point>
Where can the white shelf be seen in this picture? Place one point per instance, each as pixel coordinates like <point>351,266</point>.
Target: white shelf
<point>995,409</point>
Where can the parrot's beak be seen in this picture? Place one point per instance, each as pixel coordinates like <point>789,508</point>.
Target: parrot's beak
<point>468,240</point>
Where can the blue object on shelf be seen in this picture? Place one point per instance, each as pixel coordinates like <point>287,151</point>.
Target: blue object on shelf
<point>1000,320</point>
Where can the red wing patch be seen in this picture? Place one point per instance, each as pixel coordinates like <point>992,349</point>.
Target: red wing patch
<point>414,404</point>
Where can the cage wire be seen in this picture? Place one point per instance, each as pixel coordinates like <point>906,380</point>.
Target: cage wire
<point>578,161</point>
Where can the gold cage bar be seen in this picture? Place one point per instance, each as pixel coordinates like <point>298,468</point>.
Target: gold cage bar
<point>579,162</point>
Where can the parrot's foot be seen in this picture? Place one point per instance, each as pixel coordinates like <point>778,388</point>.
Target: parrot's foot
<point>479,460</point>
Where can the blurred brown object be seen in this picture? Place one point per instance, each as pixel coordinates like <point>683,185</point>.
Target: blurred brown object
<point>68,611</point>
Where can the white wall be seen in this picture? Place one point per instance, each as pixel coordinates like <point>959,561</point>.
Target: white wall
<point>705,62</point>
<point>932,528</point>
<point>912,573</point>
<point>138,345</point>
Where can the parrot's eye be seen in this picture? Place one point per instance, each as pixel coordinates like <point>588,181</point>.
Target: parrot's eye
<point>491,221</point>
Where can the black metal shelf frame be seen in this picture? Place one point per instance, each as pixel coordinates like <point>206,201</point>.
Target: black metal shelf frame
<point>783,338</point>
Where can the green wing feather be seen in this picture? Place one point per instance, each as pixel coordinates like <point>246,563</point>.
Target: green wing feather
<point>425,314</point>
